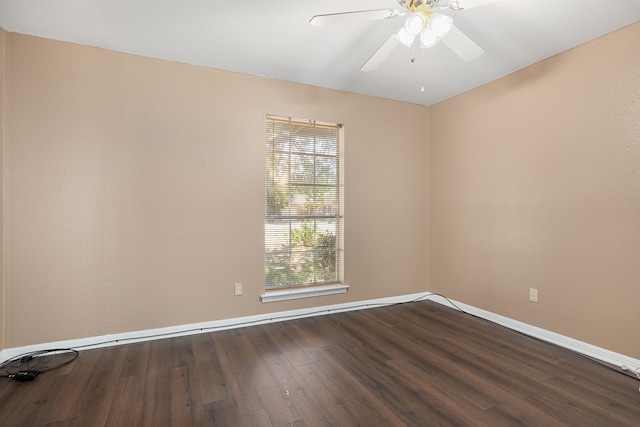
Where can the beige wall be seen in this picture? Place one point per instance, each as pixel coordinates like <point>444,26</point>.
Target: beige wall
<point>535,182</point>
<point>3,35</point>
<point>134,191</point>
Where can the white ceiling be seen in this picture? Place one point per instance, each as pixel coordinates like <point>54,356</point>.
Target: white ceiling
<point>273,38</point>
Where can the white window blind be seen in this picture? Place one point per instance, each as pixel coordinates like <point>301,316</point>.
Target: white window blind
<point>302,203</point>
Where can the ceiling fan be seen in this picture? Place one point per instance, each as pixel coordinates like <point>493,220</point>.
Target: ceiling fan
<point>421,23</point>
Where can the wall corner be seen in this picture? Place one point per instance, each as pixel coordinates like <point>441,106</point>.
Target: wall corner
<point>3,38</point>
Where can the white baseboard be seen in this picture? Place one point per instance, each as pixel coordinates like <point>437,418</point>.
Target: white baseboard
<point>581,347</point>
<point>196,328</point>
<point>599,353</point>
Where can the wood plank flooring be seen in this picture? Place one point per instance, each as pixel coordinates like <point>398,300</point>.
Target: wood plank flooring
<point>415,364</point>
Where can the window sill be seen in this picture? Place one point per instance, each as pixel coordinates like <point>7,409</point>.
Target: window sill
<point>304,292</point>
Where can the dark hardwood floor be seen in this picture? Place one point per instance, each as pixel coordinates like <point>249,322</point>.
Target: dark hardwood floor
<point>416,364</point>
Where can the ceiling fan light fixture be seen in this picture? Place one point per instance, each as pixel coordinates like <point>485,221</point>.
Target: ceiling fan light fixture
<point>405,38</point>
<point>441,24</point>
<point>414,24</point>
<point>428,37</point>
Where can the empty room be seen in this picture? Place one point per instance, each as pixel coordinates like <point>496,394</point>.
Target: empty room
<point>304,213</point>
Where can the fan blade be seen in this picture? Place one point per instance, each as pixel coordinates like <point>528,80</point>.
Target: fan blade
<point>462,45</point>
<point>470,4</point>
<point>349,17</point>
<point>381,54</point>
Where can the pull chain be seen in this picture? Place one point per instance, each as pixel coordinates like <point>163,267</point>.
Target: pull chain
<point>422,73</point>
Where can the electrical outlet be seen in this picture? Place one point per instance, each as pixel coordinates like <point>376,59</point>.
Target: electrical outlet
<point>237,289</point>
<point>533,295</point>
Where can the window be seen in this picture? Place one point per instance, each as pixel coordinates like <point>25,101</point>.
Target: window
<point>303,210</point>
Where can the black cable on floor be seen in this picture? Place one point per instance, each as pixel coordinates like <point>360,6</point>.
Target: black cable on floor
<point>27,366</point>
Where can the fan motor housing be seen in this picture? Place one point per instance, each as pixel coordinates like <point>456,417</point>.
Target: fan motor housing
<point>414,6</point>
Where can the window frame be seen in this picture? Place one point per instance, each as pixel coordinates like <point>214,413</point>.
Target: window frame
<point>296,216</point>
